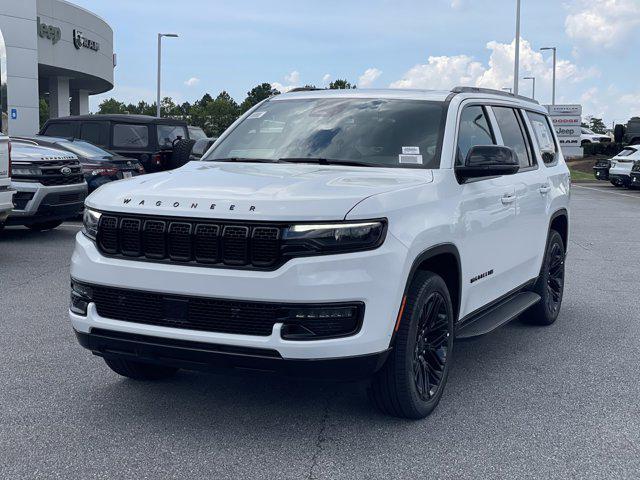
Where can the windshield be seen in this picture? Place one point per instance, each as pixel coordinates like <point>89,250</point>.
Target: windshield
<point>84,149</point>
<point>168,133</point>
<point>196,133</point>
<point>367,132</point>
<point>586,131</point>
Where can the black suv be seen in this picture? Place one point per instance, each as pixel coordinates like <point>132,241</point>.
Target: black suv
<point>629,133</point>
<point>155,142</point>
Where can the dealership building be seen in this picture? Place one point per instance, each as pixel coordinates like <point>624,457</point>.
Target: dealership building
<point>57,51</point>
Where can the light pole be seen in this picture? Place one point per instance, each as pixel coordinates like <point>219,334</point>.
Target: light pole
<point>516,68</point>
<point>160,35</point>
<point>533,90</point>
<point>553,90</point>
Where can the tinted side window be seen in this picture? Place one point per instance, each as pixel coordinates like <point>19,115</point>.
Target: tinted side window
<point>130,136</point>
<point>474,130</point>
<point>513,135</point>
<point>544,136</point>
<point>95,132</point>
<point>61,129</point>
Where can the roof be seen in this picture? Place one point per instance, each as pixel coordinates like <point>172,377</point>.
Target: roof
<point>121,117</point>
<point>408,94</point>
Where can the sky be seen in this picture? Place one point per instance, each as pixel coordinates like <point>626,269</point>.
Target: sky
<point>235,45</point>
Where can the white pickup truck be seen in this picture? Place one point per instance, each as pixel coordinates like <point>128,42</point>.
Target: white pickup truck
<point>6,193</point>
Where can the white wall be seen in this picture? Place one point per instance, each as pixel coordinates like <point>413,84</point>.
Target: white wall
<point>18,25</point>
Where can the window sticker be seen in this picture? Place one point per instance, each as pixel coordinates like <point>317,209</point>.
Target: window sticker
<point>412,159</point>
<point>257,114</point>
<point>542,132</point>
<point>411,150</point>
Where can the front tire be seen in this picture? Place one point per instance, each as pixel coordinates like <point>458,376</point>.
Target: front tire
<point>139,370</point>
<point>411,382</point>
<point>550,283</point>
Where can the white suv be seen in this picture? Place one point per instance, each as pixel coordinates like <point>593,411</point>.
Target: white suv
<point>334,234</point>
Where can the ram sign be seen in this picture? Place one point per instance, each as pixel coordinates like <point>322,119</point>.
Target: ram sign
<point>567,120</point>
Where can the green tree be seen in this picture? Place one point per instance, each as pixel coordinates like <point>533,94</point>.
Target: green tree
<point>257,94</point>
<point>597,125</point>
<point>44,111</point>
<point>112,105</point>
<point>341,85</point>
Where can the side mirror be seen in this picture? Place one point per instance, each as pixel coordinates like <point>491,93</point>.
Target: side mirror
<point>488,161</point>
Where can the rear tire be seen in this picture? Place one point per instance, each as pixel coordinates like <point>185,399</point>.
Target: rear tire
<point>550,284</point>
<point>139,370</point>
<point>42,226</point>
<point>181,151</point>
<point>411,382</point>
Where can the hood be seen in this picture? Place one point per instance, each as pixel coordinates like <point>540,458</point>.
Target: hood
<point>259,191</point>
<point>21,152</point>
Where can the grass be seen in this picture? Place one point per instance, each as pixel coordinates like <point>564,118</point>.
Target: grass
<point>580,176</point>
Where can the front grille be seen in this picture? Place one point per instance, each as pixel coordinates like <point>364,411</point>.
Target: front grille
<point>232,244</point>
<point>218,315</point>
<point>51,173</point>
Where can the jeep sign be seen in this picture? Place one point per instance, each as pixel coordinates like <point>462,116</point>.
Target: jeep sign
<point>50,32</point>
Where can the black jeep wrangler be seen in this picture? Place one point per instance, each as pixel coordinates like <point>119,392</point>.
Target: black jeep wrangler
<point>158,143</point>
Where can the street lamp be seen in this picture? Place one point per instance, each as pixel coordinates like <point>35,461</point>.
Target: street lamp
<point>516,68</point>
<point>160,35</point>
<point>553,94</point>
<point>533,90</point>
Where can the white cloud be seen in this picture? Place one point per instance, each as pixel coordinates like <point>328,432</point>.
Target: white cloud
<point>368,77</point>
<point>293,77</point>
<point>445,72</point>
<point>456,4</point>
<point>192,82</point>
<point>602,23</point>
<point>326,79</point>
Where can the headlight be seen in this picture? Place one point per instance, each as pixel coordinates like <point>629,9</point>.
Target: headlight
<point>90,221</point>
<point>81,296</point>
<point>333,238</point>
<point>18,171</point>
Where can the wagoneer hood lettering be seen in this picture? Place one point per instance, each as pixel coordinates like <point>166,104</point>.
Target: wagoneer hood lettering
<point>253,191</point>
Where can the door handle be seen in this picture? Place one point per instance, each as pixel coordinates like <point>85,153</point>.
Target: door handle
<point>546,188</point>
<point>508,198</point>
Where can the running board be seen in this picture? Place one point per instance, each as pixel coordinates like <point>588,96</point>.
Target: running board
<point>496,316</point>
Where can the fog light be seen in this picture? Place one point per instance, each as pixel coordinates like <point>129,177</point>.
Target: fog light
<point>322,321</point>
<point>81,296</point>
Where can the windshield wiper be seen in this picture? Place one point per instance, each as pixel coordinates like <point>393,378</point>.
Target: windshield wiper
<point>243,160</point>
<point>327,161</point>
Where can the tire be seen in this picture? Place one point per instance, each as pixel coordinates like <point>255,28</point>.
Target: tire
<point>42,226</point>
<point>398,388</point>
<point>550,284</point>
<point>615,184</point>
<point>181,152</point>
<point>139,370</point>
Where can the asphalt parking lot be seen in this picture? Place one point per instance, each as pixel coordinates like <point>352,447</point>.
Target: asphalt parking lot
<point>523,402</point>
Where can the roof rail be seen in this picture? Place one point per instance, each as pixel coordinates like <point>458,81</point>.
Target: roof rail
<point>491,91</point>
<point>304,89</point>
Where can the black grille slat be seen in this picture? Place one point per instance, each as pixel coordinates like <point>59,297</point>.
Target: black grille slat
<point>130,237</point>
<point>211,243</point>
<point>235,245</point>
<point>180,241</point>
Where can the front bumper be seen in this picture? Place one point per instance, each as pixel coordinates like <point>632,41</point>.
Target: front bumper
<point>212,357</point>
<point>601,173</point>
<point>635,179</point>
<point>375,278</point>
<point>47,203</point>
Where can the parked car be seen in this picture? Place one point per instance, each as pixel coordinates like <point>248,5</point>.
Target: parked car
<point>621,164</point>
<point>635,174</point>
<point>196,133</point>
<point>601,169</point>
<point>49,184</point>
<point>200,147</point>
<point>98,165</point>
<point>6,192</point>
<point>153,141</point>
<point>589,136</point>
<point>332,234</point>
<point>629,133</point>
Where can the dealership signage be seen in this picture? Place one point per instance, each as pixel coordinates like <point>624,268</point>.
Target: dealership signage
<point>54,33</point>
<point>567,121</point>
<point>80,41</point>
<point>50,32</point>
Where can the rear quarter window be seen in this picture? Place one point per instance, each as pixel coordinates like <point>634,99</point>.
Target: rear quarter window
<point>544,136</point>
<point>128,135</point>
